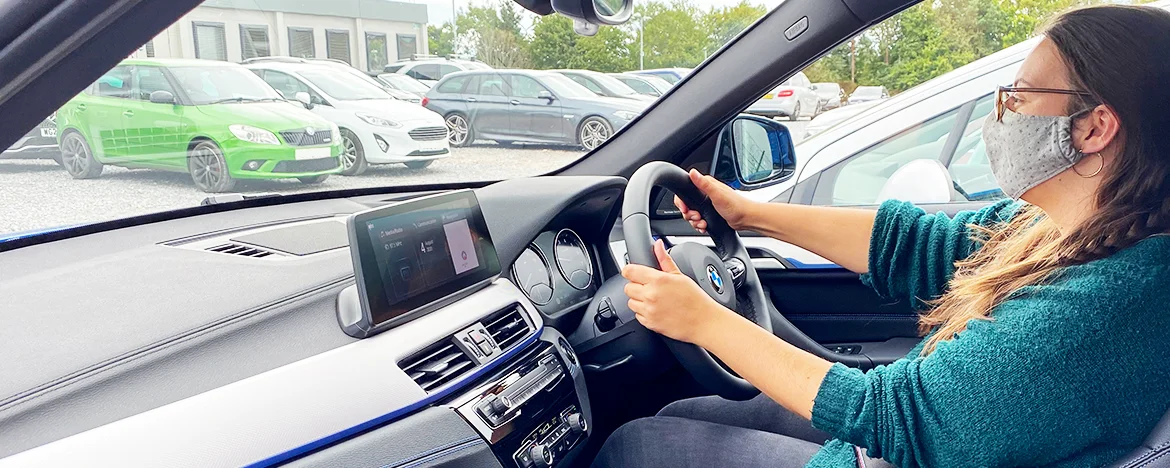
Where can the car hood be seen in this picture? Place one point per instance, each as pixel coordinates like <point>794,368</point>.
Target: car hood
<point>634,105</point>
<point>272,116</point>
<point>398,111</point>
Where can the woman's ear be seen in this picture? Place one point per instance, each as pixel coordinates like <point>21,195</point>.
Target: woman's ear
<point>1096,130</point>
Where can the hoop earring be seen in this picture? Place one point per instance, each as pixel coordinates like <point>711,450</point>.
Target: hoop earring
<point>1094,174</point>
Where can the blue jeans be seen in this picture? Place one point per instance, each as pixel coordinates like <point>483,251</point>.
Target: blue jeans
<point>711,431</point>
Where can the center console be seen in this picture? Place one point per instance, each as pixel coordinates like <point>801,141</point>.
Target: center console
<point>534,412</point>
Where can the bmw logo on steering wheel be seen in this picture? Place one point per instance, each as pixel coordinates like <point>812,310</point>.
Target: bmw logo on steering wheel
<point>716,280</point>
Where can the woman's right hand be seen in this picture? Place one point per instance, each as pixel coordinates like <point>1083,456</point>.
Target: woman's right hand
<point>729,203</point>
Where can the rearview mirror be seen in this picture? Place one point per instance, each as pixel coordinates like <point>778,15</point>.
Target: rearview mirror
<point>304,99</point>
<point>919,181</point>
<point>754,152</point>
<point>162,97</point>
<point>611,12</point>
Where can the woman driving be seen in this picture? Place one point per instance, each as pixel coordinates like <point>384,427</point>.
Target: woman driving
<point>1044,322</point>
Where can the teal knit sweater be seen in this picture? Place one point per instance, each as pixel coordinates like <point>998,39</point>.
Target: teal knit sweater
<point>1071,373</point>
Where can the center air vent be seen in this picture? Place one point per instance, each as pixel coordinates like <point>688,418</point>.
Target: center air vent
<point>232,248</point>
<point>507,327</point>
<point>437,364</point>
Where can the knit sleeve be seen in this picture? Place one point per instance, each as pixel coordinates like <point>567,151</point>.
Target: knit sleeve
<point>912,254</point>
<point>1009,391</point>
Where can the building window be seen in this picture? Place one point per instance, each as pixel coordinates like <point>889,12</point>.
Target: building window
<point>210,41</point>
<point>149,48</point>
<point>407,45</point>
<point>254,41</point>
<point>300,43</point>
<point>337,45</point>
<point>376,54</point>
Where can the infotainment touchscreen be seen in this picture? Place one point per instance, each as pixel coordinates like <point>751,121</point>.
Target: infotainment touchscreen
<point>411,255</point>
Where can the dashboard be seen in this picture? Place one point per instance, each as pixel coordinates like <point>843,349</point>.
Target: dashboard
<point>234,320</point>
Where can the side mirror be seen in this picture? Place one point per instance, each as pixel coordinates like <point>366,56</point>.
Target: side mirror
<point>162,97</point>
<point>919,181</point>
<point>546,95</point>
<point>304,99</point>
<point>754,152</point>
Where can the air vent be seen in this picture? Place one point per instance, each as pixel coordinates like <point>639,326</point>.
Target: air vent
<point>436,365</point>
<point>507,327</point>
<point>242,250</point>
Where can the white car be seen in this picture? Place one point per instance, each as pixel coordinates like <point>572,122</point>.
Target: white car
<point>868,94</point>
<point>794,99</point>
<point>375,128</point>
<point>429,70</point>
<point>833,117</point>
<point>341,66</point>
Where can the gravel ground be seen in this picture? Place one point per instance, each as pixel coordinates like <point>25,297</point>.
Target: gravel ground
<point>39,194</point>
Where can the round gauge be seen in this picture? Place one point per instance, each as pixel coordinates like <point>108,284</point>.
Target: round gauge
<point>573,259</point>
<point>531,273</point>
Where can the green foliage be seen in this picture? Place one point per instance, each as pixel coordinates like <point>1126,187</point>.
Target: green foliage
<point>555,45</point>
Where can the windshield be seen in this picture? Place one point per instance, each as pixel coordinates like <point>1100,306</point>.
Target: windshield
<point>565,87</point>
<point>615,85</point>
<point>452,134</point>
<point>207,85</point>
<point>403,82</point>
<point>343,86</point>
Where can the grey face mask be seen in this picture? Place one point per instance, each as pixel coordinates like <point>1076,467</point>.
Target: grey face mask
<point>1025,150</point>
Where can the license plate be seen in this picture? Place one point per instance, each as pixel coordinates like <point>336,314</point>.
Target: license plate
<point>49,132</point>
<point>313,153</point>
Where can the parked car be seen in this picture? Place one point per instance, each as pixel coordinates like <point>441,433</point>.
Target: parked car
<point>852,163</point>
<point>39,143</point>
<point>830,118</point>
<point>340,66</point>
<point>647,85</point>
<point>831,95</point>
<point>603,85</point>
<point>375,129</point>
<point>214,120</point>
<point>404,84</point>
<point>671,75</point>
<point>794,99</point>
<point>527,105</point>
<point>868,93</point>
<point>429,69</point>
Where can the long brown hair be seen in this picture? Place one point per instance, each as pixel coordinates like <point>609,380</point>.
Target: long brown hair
<point>1117,54</point>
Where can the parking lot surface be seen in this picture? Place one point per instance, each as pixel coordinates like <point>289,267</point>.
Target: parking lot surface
<point>39,194</point>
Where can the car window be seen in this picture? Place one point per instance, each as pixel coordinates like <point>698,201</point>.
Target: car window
<point>454,84</point>
<point>114,83</point>
<point>861,177</point>
<point>392,68</point>
<point>148,80</point>
<point>969,167</point>
<point>212,84</point>
<point>288,85</point>
<point>562,86</point>
<point>639,85</point>
<point>614,85</point>
<point>525,87</point>
<point>587,83</point>
<point>489,85</point>
<point>403,82</point>
<point>426,71</point>
<point>445,69</point>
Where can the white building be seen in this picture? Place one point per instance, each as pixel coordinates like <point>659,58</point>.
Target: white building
<point>367,34</point>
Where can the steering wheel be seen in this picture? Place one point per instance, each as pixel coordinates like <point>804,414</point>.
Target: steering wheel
<point>725,273</point>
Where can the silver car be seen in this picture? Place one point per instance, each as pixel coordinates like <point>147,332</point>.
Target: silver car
<point>647,85</point>
<point>868,93</point>
<point>527,105</point>
<point>604,85</point>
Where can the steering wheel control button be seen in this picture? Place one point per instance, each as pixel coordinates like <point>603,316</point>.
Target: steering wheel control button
<point>737,269</point>
<point>846,349</point>
<point>606,319</point>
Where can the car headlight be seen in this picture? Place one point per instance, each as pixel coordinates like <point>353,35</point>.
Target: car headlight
<point>375,120</point>
<point>253,134</point>
<point>627,115</point>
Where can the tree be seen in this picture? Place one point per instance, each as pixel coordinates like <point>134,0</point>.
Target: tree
<point>555,45</point>
<point>441,40</point>
<point>673,35</point>
<point>723,24</point>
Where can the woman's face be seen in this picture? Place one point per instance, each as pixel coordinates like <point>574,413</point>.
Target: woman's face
<point>1043,68</point>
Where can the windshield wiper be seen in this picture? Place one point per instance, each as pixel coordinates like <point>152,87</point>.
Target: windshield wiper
<point>236,99</point>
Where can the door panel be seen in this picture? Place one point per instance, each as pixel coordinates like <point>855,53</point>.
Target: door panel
<point>539,118</point>
<point>103,114</point>
<point>154,132</point>
<point>488,107</point>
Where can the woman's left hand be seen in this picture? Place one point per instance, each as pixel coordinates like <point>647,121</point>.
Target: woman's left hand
<point>669,302</point>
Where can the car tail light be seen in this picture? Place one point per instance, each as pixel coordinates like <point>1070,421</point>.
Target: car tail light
<point>425,101</point>
<point>784,93</point>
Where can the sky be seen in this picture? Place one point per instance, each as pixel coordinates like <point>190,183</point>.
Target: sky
<point>439,11</point>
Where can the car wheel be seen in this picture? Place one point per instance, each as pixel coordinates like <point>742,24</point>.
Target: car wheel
<point>459,131</point>
<point>353,155</point>
<point>795,112</point>
<point>314,180</point>
<point>593,132</point>
<point>78,159</point>
<point>209,169</point>
<point>419,164</point>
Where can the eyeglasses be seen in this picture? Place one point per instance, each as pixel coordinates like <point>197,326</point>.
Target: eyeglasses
<point>1005,97</point>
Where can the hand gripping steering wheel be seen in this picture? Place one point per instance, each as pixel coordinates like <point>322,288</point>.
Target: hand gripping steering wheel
<point>725,273</point>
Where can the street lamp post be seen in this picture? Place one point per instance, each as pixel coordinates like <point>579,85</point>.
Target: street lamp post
<point>641,42</point>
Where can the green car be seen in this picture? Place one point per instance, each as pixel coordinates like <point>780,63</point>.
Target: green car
<point>217,121</point>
